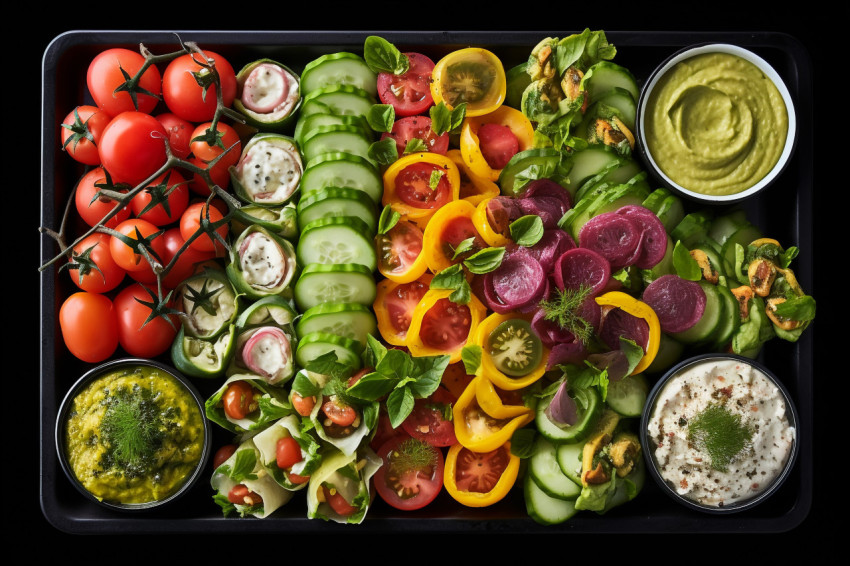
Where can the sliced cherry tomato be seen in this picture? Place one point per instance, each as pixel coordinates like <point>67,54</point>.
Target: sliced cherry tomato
<point>445,232</point>
<point>400,252</point>
<point>89,326</point>
<point>423,185</point>
<point>238,400</point>
<point>227,139</point>
<point>106,74</point>
<point>81,132</point>
<point>132,147</point>
<point>126,256</point>
<point>428,423</point>
<point>384,429</point>
<point>190,223</point>
<point>93,208</point>
<point>339,413</point>
<point>412,473</point>
<point>408,93</point>
<point>179,133</point>
<point>302,405</point>
<point>445,326</point>
<point>242,495</point>
<point>498,144</point>
<point>455,379</point>
<point>187,264</point>
<point>298,480</point>
<point>136,334</point>
<point>182,92</point>
<point>394,305</point>
<point>105,275</point>
<point>480,479</point>
<point>417,128</point>
<point>169,189</point>
<point>288,453</point>
<point>338,502</point>
<point>223,454</point>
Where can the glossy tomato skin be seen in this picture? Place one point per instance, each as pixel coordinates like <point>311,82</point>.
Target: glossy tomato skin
<point>138,338</point>
<point>93,208</point>
<point>498,144</point>
<point>398,251</point>
<point>108,274</point>
<point>220,176</point>
<point>190,223</point>
<point>400,303</point>
<point>188,262</point>
<point>92,121</point>
<point>406,488</point>
<point>427,422</point>
<point>104,76</point>
<point>124,255</point>
<point>238,400</point>
<point>177,196</point>
<point>413,186</point>
<point>409,93</point>
<point>179,133</point>
<point>445,326</point>
<point>222,454</point>
<point>229,138</point>
<point>418,127</point>
<point>287,453</point>
<point>185,98</point>
<point>132,147</point>
<point>338,503</point>
<point>89,326</point>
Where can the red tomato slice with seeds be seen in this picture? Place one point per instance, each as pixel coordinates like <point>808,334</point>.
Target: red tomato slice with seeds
<point>408,93</point>
<point>445,326</point>
<point>417,127</point>
<point>412,473</point>
<point>428,423</point>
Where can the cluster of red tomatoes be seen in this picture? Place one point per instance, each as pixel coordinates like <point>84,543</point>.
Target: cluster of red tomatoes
<point>123,139</point>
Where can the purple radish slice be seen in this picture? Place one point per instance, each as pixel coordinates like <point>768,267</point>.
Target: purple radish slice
<point>566,353</point>
<point>678,303</point>
<point>548,188</point>
<point>550,247</point>
<point>615,237</point>
<point>547,208</point>
<point>519,280</point>
<point>618,323</point>
<point>582,266</point>
<point>654,243</point>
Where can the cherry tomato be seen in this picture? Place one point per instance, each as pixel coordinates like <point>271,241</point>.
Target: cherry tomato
<point>89,326</point>
<point>190,223</point>
<point>303,405</point>
<point>455,379</point>
<point>239,400</point>
<point>185,97</point>
<point>288,452</point>
<point>125,256</point>
<point>222,454</point>
<point>205,152</point>
<point>107,275</point>
<point>427,421</point>
<point>409,93</point>
<point>416,187</point>
<point>358,375</point>
<point>445,326</point>
<point>81,132</point>
<point>220,176</point>
<point>417,127</point>
<point>105,75</point>
<point>179,133</point>
<point>384,430</point>
<point>173,188</point>
<point>93,208</point>
<point>136,334</point>
<point>242,495</point>
<point>187,264</point>
<point>338,502</point>
<point>498,144</point>
<point>398,252</point>
<point>339,413</point>
<point>412,473</point>
<point>296,479</point>
<point>132,147</point>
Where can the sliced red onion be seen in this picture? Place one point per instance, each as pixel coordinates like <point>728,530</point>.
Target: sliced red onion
<point>562,410</point>
<point>268,353</point>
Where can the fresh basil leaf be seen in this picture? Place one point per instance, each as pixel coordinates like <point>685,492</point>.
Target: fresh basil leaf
<point>388,219</point>
<point>441,118</point>
<point>788,256</point>
<point>381,117</point>
<point>399,405</point>
<point>375,351</point>
<point>527,230</point>
<point>434,180</point>
<point>371,387</point>
<point>227,508</point>
<point>243,466</point>
<point>589,376</point>
<point>328,364</point>
<point>485,260</point>
<point>384,57</point>
<point>395,365</point>
<point>416,145</point>
<point>797,308</point>
<point>463,247</point>
<point>304,386</point>
<point>428,372</point>
<point>383,152</point>
<point>371,412</point>
<point>471,358</point>
<point>685,265</point>
<point>449,278</point>
<point>458,115</point>
<point>634,353</point>
<point>522,442</point>
<point>462,295</point>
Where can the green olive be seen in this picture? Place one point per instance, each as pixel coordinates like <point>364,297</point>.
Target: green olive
<point>515,348</point>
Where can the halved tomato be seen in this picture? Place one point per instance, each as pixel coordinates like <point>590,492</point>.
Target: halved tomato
<point>450,226</point>
<point>440,326</point>
<point>417,127</point>
<point>400,255</point>
<point>430,420</point>
<point>472,75</point>
<point>480,479</point>
<point>394,306</point>
<point>408,93</point>
<point>420,183</point>
<point>412,473</point>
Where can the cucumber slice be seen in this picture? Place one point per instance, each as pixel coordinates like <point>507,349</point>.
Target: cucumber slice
<point>692,230</point>
<point>704,330</point>
<point>621,99</point>
<point>544,509</point>
<point>544,470</point>
<point>339,68</point>
<point>352,283</point>
<point>307,124</point>
<point>671,212</point>
<point>525,166</point>
<point>604,76</point>
<point>336,201</point>
<point>669,352</point>
<point>655,198</point>
<point>337,239</point>
<point>589,409</point>
<point>714,258</point>
<point>340,99</point>
<point>342,170</point>
<point>569,460</point>
<point>316,344</point>
<point>334,138</point>
<point>591,161</point>
<point>731,320</point>
<point>349,320</point>
<point>627,396</point>
<point>517,79</point>
<point>745,235</point>
<point>724,226</point>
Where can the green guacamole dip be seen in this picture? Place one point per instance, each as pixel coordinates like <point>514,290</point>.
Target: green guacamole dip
<point>134,435</point>
<point>715,124</point>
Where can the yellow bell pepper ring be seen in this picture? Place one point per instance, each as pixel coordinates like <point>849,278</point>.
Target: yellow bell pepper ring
<point>472,75</point>
<point>401,255</point>
<point>488,368</point>
<point>473,188</point>
<point>447,228</point>
<point>439,326</point>
<point>416,185</point>
<point>477,429</point>
<point>487,231</point>
<point>469,476</point>
<point>470,145</point>
<point>637,308</point>
<point>492,404</point>
<point>394,303</point>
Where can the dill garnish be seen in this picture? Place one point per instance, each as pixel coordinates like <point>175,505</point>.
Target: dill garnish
<point>564,311</point>
<point>719,433</point>
<point>132,430</point>
<point>413,454</point>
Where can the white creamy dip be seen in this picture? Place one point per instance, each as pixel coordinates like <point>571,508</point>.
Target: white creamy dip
<point>744,393</point>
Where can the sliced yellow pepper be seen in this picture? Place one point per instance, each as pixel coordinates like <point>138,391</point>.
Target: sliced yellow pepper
<point>470,146</point>
<point>489,370</point>
<point>637,308</point>
<point>485,230</point>
<point>384,243</point>
<point>437,257</point>
<point>440,163</point>
<point>483,430</point>
<point>473,188</point>
<point>462,461</point>
<point>475,309</point>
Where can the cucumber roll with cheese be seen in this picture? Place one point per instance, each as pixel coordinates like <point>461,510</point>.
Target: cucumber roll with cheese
<point>268,95</point>
<point>261,263</point>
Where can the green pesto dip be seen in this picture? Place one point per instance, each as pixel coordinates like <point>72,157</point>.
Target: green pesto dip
<point>715,124</point>
<point>134,435</point>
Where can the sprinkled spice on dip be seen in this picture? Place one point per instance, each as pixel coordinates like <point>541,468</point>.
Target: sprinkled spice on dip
<point>720,432</point>
<point>134,435</point>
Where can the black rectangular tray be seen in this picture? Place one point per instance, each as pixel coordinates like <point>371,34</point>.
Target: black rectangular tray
<point>64,66</point>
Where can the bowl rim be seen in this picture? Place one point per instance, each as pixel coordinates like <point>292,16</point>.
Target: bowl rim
<point>713,47</point>
<point>648,445</point>
<point>85,380</point>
